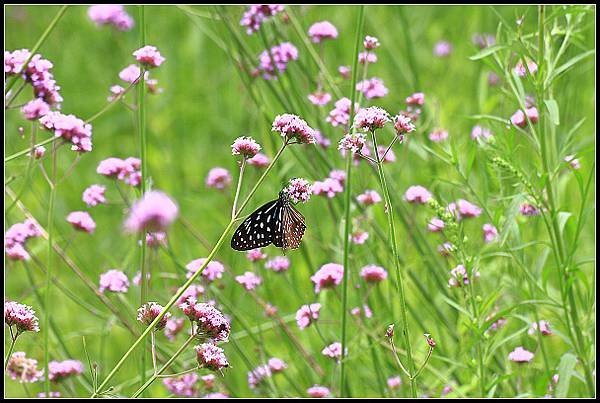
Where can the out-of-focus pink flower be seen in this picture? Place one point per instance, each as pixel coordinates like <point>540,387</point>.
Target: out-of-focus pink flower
<point>35,109</point>
<point>373,274</point>
<point>191,295</point>
<point>245,146</point>
<point>467,210</point>
<point>211,322</point>
<point>416,99</point>
<point>218,178</point>
<point>208,381</point>
<point>359,237</point>
<point>493,79</point>
<point>276,365</point>
<point>21,316</point>
<point>459,277</point>
<point>544,328</point>
<point>16,236</point>
<point>59,370</point>
<point>150,311</point>
<point>319,98</point>
<point>111,14</point>
<point>371,118</point>
<point>39,152</point>
<point>438,135</point>
<point>259,160</point>
<point>483,41</point>
<point>81,221</point>
<point>51,394</point>
<point>435,225</point>
<point>299,190</point>
<point>329,187</point>
<point>442,49</point>
<point>153,213</point>
<point>518,118</point>
<point>490,233</point>
<point>182,385</point>
<point>527,209</point>
<point>214,270</point>
<point>339,175</point>
<point>307,314</point>
<point>417,194</point>
<point>211,357</point>
<point>322,30</point>
<point>114,280</point>
<point>156,239</point>
<point>115,92</point>
<point>14,61</point>
<point>372,88</point>
<point>149,56</point>
<point>394,382</point>
<point>334,350</point>
<point>445,249</point>
<point>22,368</point>
<point>137,279</point>
<point>37,73</point>
<point>367,57</point>
<point>369,197</point>
<point>94,195</point>
<point>255,255</point>
<point>318,391</point>
<point>293,127</point>
<point>173,327</point>
<point>278,264</point>
<point>370,42</point>
<point>328,276</point>
<point>257,375</point>
<point>340,115</point>
<point>256,14</point>
<point>520,355</point>
<point>354,142</point>
<point>480,132</point>
<point>344,71</point>
<point>70,128</point>
<point>249,280</point>
<point>321,140</point>
<point>281,55</point>
<point>521,70</point>
<point>572,161</point>
<point>131,74</point>
<point>403,124</point>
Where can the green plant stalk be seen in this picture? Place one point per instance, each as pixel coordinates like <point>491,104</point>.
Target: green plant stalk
<point>392,229</point>
<point>13,340</point>
<point>347,202</point>
<point>38,44</point>
<point>30,164</point>
<point>164,367</point>
<point>189,282</point>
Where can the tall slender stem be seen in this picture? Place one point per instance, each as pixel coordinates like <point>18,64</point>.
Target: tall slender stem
<point>239,186</point>
<point>347,203</point>
<point>13,340</point>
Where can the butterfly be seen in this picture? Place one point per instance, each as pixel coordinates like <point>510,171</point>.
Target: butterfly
<point>277,222</point>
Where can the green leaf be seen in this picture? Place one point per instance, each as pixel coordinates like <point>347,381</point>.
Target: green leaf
<point>570,64</point>
<point>553,111</point>
<point>563,217</point>
<point>486,52</point>
<point>565,372</point>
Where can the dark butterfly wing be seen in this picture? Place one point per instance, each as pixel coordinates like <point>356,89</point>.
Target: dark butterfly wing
<point>278,238</point>
<point>258,230</point>
<point>293,227</point>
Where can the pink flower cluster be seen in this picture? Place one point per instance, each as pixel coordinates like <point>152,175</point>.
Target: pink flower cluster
<point>544,328</point>
<point>154,212</point>
<point>190,295</point>
<point>373,273</point>
<point>249,280</point>
<point>438,135</point>
<point>293,127</point>
<point>340,115</point>
<point>156,239</point>
<point>280,55</point>
<point>372,88</point>
<point>114,280</point>
<point>218,178</point>
<point>367,57</point>
<point>111,14</point>
<point>459,277</point>
<point>442,49</point>
<point>417,194</point>
<point>211,322</point>
<point>149,56</point>
<point>70,128</point>
<point>37,73</point>
<point>258,375</point>
<point>307,314</point>
<point>479,132</point>
<point>319,98</point>
<point>522,70</point>
<point>211,357</point>
<point>528,209</point>
<point>403,124</point>
<point>328,276</point>
<point>21,316</point>
<point>356,311</point>
<point>394,382</point>
<point>483,41</point>
<point>318,391</point>
<point>182,385</point>
<point>328,187</point>
<point>490,233</point>
<point>214,270</point>
<point>259,160</point>
<point>370,42</point>
<point>344,72</point>
<point>359,237</point>
<point>81,221</point>
<point>127,170</point>
<point>371,118</point>
<point>299,190</point>
<point>464,209</point>
<point>572,161</point>
<point>173,327</point>
<point>16,236</point>
<point>520,355</point>
<point>22,368</point>
<point>94,195</point>
<point>369,197</point>
<point>518,118</point>
<point>322,30</point>
<point>278,264</point>
<point>59,370</point>
<point>256,14</point>
<point>255,255</point>
<point>334,350</point>
<point>435,225</point>
<point>245,146</point>
<point>35,109</point>
<point>150,311</point>
<point>354,142</point>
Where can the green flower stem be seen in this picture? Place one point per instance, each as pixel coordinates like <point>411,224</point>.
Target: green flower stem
<point>392,230</point>
<point>347,203</point>
<point>239,186</point>
<point>13,340</point>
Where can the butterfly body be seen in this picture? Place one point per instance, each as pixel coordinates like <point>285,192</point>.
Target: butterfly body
<point>277,222</point>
